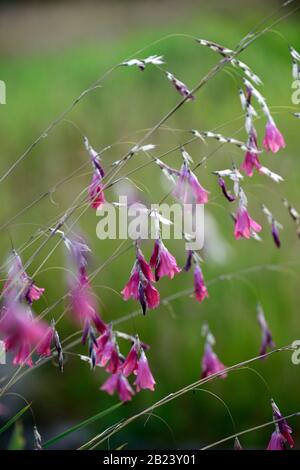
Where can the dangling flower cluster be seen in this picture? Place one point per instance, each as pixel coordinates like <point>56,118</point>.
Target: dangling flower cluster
<point>107,355</point>
<point>282,433</point>
<point>21,331</point>
<point>245,226</point>
<point>96,188</point>
<point>163,262</point>
<point>267,340</point>
<point>200,290</point>
<point>210,362</point>
<point>273,140</point>
<point>139,287</point>
<point>83,306</point>
<point>275,225</point>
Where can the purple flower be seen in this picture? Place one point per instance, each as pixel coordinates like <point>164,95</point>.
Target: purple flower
<point>267,340</point>
<point>273,140</point>
<point>211,363</point>
<point>144,378</point>
<point>275,235</point>
<point>200,289</point>
<point>244,224</point>
<point>23,333</point>
<point>283,426</point>
<point>251,158</point>
<point>96,192</point>
<point>189,259</point>
<point>131,362</point>
<point>163,262</point>
<point>118,383</point>
<point>139,286</point>
<point>222,185</point>
<point>277,441</point>
<point>188,189</point>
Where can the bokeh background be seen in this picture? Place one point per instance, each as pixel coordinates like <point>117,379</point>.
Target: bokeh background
<point>50,52</point>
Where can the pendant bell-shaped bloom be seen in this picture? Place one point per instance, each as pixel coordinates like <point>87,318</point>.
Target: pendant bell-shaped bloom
<point>277,441</point>
<point>130,364</point>
<point>282,424</point>
<point>244,225</point>
<point>211,363</point>
<point>144,377</point>
<point>118,383</point>
<point>163,262</point>
<point>23,333</point>
<point>188,190</point>
<point>273,140</point>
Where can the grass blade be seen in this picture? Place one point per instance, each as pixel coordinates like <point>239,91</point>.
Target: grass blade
<point>81,425</point>
<point>14,418</point>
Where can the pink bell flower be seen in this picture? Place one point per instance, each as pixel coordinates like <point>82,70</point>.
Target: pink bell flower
<point>211,363</point>
<point>118,383</point>
<point>244,225</point>
<point>144,378</point>
<point>273,140</point>
<point>163,262</point>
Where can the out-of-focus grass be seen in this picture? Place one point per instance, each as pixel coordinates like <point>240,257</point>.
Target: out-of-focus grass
<point>39,88</point>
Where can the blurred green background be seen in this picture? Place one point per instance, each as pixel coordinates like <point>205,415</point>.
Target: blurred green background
<point>50,53</point>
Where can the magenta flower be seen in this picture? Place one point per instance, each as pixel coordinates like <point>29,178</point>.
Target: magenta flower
<point>277,441</point>
<point>267,340</point>
<point>44,346</point>
<point>163,262</point>
<point>118,383</point>
<point>84,310</point>
<point>33,293</point>
<point>188,189</point>
<point>139,286</point>
<point>251,161</point>
<point>24,334</point>
<point>144,378</point>
<point>144,266</point>
<point>273,140</point>
<point>96,192</point>
<point>151,295</point>
<point>200,289</point>
<point>251,158</point>
<point>130,364</point>
<point>131,289</point>
<point>244,225</point>
<point>282,424</point>
<point>211,363</point>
